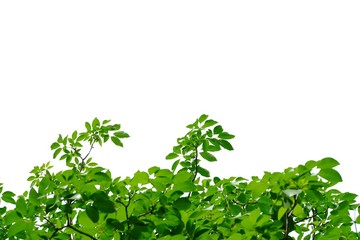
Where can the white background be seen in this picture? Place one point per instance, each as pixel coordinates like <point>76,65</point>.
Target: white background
<point>281,75</point>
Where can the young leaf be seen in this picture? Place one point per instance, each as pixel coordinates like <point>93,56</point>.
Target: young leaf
<point>115,127</point>
<point>327,163</point>
<point>281,213</point>
<point>116,141</point>
<point>88,126</point>
<point>225,144</point>
<point>171,156</point>
<point>16,228</point>
<point>74,135</point>
<point>218,129</point>
<point>8,197</point>
<point>174,165</point>
<point>106,137</point>
<point>209,123</point>
<point>106,122</point>
<point>208,156</point>
<point>55,145</point>
<point>203,117</point>
<point>330,174</point>
<point>95,123</point>
<point>203,172</point>
<point>225,135</point>
<point>186,186</point>
<point>140,177</point>
<point>121,134</point>
<point>60,139</point>
<point>21,206</point>
<point>153,170</point>
<point>82,136</point>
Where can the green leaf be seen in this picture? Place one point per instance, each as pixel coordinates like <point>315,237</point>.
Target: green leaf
<point>92,213</point>
<point>209,123</point>
<point>174,165</point>
<point>57,151</point>
<point>177,149</point>
<point>81,137</point>
<point>218,129</point>
<point>298,211</point>
<point>327,163</point>
<point>203,117</point>
<point>225,135</point>
<point>88,126</point>
<point>225,144</point>
<point>331,175</point>
<point>116,127</point>
<point>106,122</point>
<point>186,186</point>
<point>8,197</point>
<point>203,172</point>
<point>235,209</point>
<point>281,212</point>
<point>235,236</point>
<point>33,197</point>
<point>140,177</point>
<point>2,210</point>
<point>310,164</point>
<point>11,217</point>
<point>55,145</point>
<point>21,206</point>
<point>182,176</point>
<point>121,134</point>
<point>99,196</point>
<point>115,224</point>
<point>105,206</point>
<point>17,228</point>
<point>254,215</point>
<point>106,137</point>
<point>153,170</point>
<point>60,139</point>
<point>171,156</point>
<point>117,141</point>
<point>95,123</point>
<point>182,203</point>
<point>102,177</point>
<point>208,156</point>
<point>74,135</point>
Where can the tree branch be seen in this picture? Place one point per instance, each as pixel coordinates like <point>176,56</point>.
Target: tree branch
<point>196,163</point>
<point>84,158</point>
<point>81,232</point>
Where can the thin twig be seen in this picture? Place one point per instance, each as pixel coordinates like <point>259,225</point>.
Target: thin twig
<point>84,158</point>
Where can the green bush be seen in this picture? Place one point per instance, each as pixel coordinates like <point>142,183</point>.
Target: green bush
<point>85,201</point>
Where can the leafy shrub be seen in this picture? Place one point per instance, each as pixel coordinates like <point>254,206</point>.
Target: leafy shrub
<point>85,201</point>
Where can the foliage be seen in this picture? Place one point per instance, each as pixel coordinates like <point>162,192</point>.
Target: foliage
<point>85,201</point>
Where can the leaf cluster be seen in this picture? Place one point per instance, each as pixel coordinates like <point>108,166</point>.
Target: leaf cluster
<point>84,201</point>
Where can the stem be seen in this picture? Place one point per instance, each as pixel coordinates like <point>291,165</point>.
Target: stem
<point>313,216</point>
<point>81,232</point>
<point>127,213</point>
<point>196,163</point>
<point>287,216</point>
<point>196,166</point>
<point>86,156</point>
<point>69,224</point>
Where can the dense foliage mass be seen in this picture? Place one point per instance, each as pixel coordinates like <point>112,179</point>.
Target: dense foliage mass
<point>85,201</point>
